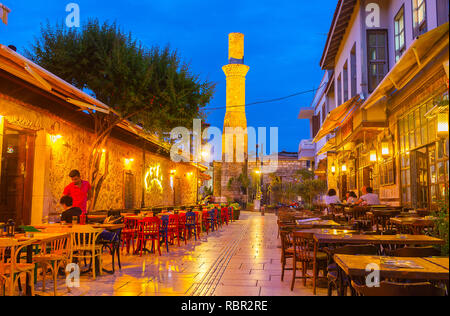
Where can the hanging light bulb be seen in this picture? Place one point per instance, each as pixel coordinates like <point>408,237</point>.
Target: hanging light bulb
<point>344,167</point>
<point>333,168</point>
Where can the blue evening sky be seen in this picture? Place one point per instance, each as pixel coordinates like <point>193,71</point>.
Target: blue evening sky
<point>284,41</point>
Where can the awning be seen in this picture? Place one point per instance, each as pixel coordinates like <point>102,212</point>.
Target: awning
<point>204,176</point>
<point>421,52</point>
<point>336,117</point>
<point>329,146</point>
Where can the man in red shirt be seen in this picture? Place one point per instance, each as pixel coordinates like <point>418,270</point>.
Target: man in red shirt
<point>79,190</point>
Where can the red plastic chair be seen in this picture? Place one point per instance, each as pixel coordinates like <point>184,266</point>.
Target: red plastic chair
<point>129,234</point>
<point>173,230</point>
<point>148,229</point>
<point>182,227</point>
<point>205,221</point>
<point>224,215</point>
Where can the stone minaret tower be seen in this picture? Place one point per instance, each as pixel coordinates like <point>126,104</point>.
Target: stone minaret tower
<point>235,117</point>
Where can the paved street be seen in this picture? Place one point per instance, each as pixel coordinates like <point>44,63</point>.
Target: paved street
<point>242,259</point>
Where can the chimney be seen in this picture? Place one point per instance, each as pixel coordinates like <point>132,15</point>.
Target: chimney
<point>12,47</point>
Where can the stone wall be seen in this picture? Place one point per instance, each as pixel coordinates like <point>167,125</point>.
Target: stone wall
<point>58,156</point>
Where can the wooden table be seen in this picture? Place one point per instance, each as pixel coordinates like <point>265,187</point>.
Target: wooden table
<point>382,216</point>
<point>355,267</point>
<point>408,224</point>
<point>327,231</point>
<point>68,227</point>
<point>317,224</point>
<point>378,239</point>
<point>442,262</point>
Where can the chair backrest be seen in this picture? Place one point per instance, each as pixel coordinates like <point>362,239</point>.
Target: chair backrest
<point>303,246</point>
<point>164,222</point>
<point>130,223</point>
<point>182,219</point>
<point>286,241</point>
<point>61,245</point>
<point>8,249</point>
<point>84,236</point>
<point>190,218</point>
<point>149,225</point>
<point>173,221</point>
<point>416,252</point>
<point>367,250</point>
<point>399,289</point>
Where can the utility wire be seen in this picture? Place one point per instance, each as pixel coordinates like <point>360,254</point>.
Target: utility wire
<point>265,101</point>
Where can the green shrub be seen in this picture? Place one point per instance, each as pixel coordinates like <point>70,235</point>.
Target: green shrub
<point>441,226</point>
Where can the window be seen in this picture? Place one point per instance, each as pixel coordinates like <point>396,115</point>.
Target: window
<point>324,113</point>
<point>377,59</point>
<point>345,71</point>
<point>387,172</point>
<point>315,125</point>
<point>419,17</point>
<point>339,90</point>
<point>399,34</point>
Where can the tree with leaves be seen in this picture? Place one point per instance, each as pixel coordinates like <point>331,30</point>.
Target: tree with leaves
<point>150,87</point>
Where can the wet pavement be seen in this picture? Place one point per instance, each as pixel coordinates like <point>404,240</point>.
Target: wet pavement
<point>241,259</point>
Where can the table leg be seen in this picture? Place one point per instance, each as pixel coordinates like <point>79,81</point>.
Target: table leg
<point>315,268</point>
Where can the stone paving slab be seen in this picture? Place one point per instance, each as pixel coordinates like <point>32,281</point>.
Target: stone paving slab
<point>242,259</point>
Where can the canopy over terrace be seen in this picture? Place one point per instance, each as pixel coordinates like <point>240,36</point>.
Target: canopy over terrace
<point>421,52</point>
<point>337,116</point>
<point>25,69</point>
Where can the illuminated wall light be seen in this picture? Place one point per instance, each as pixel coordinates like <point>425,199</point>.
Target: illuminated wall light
<point>344,168</point>
<point>385,152</point>
<point>373,155</point>
<point>128,163</point>
<point>333,169</point>
<point>55,138</point>
<point>442,125</point>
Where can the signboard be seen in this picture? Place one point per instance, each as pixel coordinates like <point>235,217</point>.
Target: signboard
<point>4,11</point>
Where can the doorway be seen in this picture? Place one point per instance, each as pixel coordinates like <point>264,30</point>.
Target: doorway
<point>420,178</point>
<point>16,177</point>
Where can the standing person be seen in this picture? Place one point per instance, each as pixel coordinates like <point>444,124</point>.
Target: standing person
<point>368,197</point>
<point>79,190</point>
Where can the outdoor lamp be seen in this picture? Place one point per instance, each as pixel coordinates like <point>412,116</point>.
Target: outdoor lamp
<point>344,168</point>
<point>10,228</point>
<point>373,155</point>
<point>333,169</point>
<point>442,125</point>
<point>385,152</point>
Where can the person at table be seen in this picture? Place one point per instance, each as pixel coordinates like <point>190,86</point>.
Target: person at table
<point>331,197</point>
<point>352,198</point>
<point>69,210</point>
<point>368,197</point>
<point>79,190</point>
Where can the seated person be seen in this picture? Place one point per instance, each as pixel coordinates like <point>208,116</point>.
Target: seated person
<point>352,198</point>
<point>368,197</point>
<point>69,211</point>
<point>331,197</point>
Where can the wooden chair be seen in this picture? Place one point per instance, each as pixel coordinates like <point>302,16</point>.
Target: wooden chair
<point>336,280</point>
<point>10,267</point>
<point>84,245</point>
<point>399,289</point>
<point>416,252</point>
<point>304,254</point>
<point>287,250</point>
<point>129,233</point>
<point>54,254</point>
<point>149,230</point>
